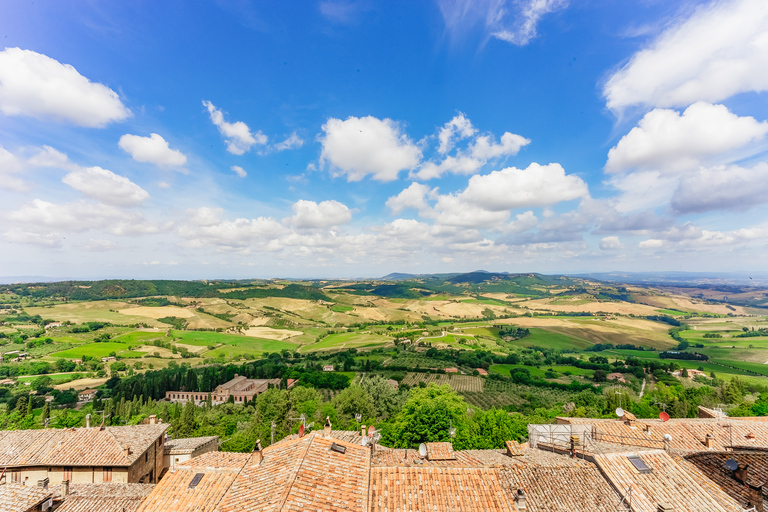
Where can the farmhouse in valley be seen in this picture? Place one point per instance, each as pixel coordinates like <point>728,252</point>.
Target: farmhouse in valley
<point>241,390</point>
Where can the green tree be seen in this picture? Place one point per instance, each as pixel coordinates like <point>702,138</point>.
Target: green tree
<point>599,376</point>
<point>386,400</point>
<point>426,417</point>
<point>187,425</point>
<point>305,401</point>
<point>21,405</point>
<point>46,413</point>
<point>351,401</point>
<point>486,430</point>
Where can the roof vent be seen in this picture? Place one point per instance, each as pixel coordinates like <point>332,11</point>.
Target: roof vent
<point>338,448</point>
<point>639,464</point>
<point>195,480</point>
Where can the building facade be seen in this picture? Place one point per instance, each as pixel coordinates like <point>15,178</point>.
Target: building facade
<point>241,390</point>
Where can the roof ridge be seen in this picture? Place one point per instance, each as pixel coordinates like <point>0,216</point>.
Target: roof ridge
<point>289,487</point>
<point>121,447</point>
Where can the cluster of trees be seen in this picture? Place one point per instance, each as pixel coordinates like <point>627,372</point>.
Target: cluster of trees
<point>689,356</point>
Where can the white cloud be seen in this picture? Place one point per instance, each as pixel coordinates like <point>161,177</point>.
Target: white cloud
<point>611,243</point>
<point>50,157</point>
<point>415,196</point>
<point>722,188</point>
<point>523,222</point>
<point>163,184</point>
<point>205,226</point>
<point>43,217</point>
<point>651,243</point>
<point>512,21</point>
<point>454,210</point>
<point>100,245</point>
<point>485,148</point>
<point>309,214</point>
<point>237,135</point>
<point>537,185</point>
<point>642,190</point>
<point>358,147</point>
<point>35,85</point>
<point>239,171</point>
<point>18,236</point>
<point>720,51</point>
<point>457,128</point>
<point>9,166</point>
<point>469,161</point>
<point>666,140</point>
<point>106,186</point>
<point>292,142</point>
<point>153,149</point>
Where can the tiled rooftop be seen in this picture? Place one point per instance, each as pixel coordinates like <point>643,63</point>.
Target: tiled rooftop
<point>111,497</point>
<point>19,498</point>
<point>78,446</point>
<point>440,451</point>
<point>216,460</point>
<point>303,474</point>
<point>668,481</point>
<point>713,466</point>
<point>187,445</point>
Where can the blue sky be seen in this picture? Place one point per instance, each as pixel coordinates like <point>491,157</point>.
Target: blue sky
<point>346,138</point>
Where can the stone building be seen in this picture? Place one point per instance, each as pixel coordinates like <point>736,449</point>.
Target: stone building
<point>241,389</point>
<point>127,454</point>
<point>181,450</point>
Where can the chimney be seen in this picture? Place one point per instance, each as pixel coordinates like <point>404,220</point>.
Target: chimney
<point>647,428</point>
<point>665,507</point>
<point>65,487</point>
<point>127,451</point>
<point>236,375</point>
<point>258,455</point>
<point>327,429</point>
<point>520,500</point>
<point>363,431</point>
<point>756,497</point>
<point>43,484</point>
<point>87,421</point>
<point>152,419</point>
<point>742,473</point>
<point>709,439</point>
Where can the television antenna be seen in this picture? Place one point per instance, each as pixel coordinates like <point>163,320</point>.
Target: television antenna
<point>660,404</point>
<point>272,429</point>
<point>619,393</point>
<point>452,431</point>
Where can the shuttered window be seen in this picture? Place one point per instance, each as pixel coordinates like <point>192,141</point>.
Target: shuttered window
<point>106,475</point>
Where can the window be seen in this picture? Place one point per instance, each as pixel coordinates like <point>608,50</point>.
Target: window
<point>639,464</point>
<point>106,475</point>
<point>146,457</point>
<point>67,474</point>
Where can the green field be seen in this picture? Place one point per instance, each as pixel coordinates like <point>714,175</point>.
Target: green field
<point>762,369</point>
<point>139,337</point>
<point>549,339</point>
<point>57,378</point>
<point>348,340</point>
<point>341,308</point>
<point>486,301</point>
<point>98,350</point>
<point>506,369</point>
<point>671,312</point>
<point>238,345</point>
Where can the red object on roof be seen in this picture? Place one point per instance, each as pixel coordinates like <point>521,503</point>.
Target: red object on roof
<point>663,416</point>
<point>301,430</point>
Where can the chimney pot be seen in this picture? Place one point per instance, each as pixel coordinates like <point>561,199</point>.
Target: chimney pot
<point>65,488</point>
<point>43,484</point>
<point>127,451</point>
<point>708,440</point>
<point>258,456</point>
<point>362,430</point>
<point>520,500</point>
<point>742,473</point>
<point>756,497</point>
<point>328,427</point>
<point>87,421</point>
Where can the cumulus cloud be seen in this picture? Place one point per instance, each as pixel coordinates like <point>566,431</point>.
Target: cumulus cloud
<point>311,215</point>
<point>237,135</point>
<point>611,243</point>
<point>415,196</point>
<point>239,171</point>
<point>666,140</point>
<point>10,165</point>
<point>359,147</point>
<point>106,186</point>
<point>42,218</point>
<point>720,51</point>
<point>153,149</point>
<point>475,156</point>
<point>292,142</point>
<point>18,236</point>
<point>537,185</point>
<point>513,21</point>
<point>452,210</point>
<point>457,128</point>
<point>651,243</point>
<point>722,188</point>
<point>35,85</point>
<point>205,226</point>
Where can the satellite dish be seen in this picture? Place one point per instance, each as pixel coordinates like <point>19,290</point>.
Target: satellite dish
<point>732,464</point>
<point>371,430</point>
<point>423,450</point>
<point>663,416</point>
<point>619,412</point>
<point>301,430</point>
<point>667,437</point>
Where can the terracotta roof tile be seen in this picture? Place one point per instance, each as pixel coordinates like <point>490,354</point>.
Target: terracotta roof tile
<point>669,481</point>
<point>77,447</point>
<point>440,451</point>
<point>187,445</point>
<point>112,497</point>
<point>20,498</point>
<point>713,466</point>
<point>438,489</point>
